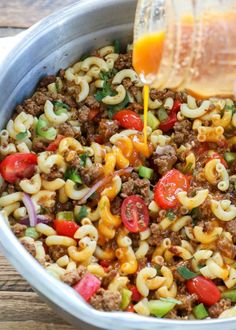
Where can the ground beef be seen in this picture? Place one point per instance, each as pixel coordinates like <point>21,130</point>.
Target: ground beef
<point>124,61</point>
<point>90,174</point>
<point>216,309</point>
<point>226,248</point>
<point>182,131</point>
<point>92,103</point>
<point>165,159</point>
<point>231,227</point>
<point>57,251</point>
<point>83,114</point>
<point>232,168</point>
<point>135,107</point>
<point>127,83</point>
<point>155,238</point>
<point>68,206</point>
<point>107,128</point>
<point>73,277</point>
<point>29,245</point>
<point>34,105</point>
<point>46,81</point>
<point>19,230</point>
<point>110,275</point>
<point>116,205</point>
<point>66,130</point>
<point>54,174</point>
<point>136,186</point>
<point>188,301</point>
<point>39,144</point>
<point>106,300</point>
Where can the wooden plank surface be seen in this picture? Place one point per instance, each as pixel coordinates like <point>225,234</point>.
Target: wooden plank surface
<point>20,307</point>
<point>23,13</point>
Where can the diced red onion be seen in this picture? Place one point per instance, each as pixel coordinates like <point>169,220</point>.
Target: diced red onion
<point>41,218</point>
<point>30,209</point>
<point>103,182</point>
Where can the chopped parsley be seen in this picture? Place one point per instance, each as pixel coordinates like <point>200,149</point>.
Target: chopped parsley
<point>71,174</point>
<point>106,89</point>
<point>83,212</point>
<point>83,159</point>
<point>170,215</point>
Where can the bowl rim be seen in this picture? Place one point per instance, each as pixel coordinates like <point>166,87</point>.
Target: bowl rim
<point>59,293</point>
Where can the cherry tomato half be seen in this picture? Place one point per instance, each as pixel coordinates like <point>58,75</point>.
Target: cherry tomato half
<point>168,187</point>
<point>129,119</point>
<point>18,166</point>
<point>54,145</point>
<point>205,289</point>
<point>134,214</point>
<point>88,286</point>
<point>65,228</point>
<point>166,125</point>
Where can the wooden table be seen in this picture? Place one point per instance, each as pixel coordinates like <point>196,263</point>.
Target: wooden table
<point>20,307</point>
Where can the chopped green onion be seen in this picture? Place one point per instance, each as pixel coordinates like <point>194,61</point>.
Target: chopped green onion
<point>21,135</point>
<point>65,215</point>
<point>186,273</point>
<point>45,132</point>
<point>117,46</point>
<point>113,109</point>
<point>170,215</point>
<point>83,212</point>
<point>172,300</point>
<point>32,232</point>
<point>125,298</point>
<point>145,172</point>
<point>162,114</point>
<point>230,157</point>
<point>71,174</point>
<point>229,294</point>
<point>160,308</point>
<point>83,159</point>
<point>200,312</point>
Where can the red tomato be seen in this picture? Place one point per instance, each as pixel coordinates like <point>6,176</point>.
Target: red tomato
<point>105,263</point>
<point>88,286</point>
<point>205,289</point>
<point>130,308</point>
<point>166,125</point>
<point>134,214</point>
<point>136,296</point>
<point>65,228</point>
<point>99,139</point>
<point>18,166</point>
<point>215,155</point>
<point>168,187</point>
<point>54,145</point>
<point>93,113</point>
<point>129,119</point>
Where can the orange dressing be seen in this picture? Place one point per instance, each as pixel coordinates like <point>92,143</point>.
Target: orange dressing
<point>147,54</point>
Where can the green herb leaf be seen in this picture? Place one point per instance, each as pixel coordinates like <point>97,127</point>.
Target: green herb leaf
<point>117,46</point>
<point>21,135</point>
<point>172,300</point>
<point>186,273</point>
<point>113,109</point>
<point>195,214</point>
<point>71,174</point>
<point>170,215</point>
<point>83,159</point>
<point>83,212</point>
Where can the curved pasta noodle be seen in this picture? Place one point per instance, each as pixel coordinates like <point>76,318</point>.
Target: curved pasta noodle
<point>196,112</point>
<point>223,210</point>
<point>31,186</point>
<point>108,221</point>
<point>116,99</point>
<point>192,202</point>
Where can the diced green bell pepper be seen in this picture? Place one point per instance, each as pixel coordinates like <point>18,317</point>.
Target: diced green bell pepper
<point>32,232</point>
<point>160,308</point>
<point>230,157</point>
<point>125,298</point>
<point>229,294</point>
<point>145,172</point>
<point>45,132</point>
<point>65,215</point>
<point>200,312</point>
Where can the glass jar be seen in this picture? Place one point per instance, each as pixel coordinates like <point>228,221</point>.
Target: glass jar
<point>189,45</point>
